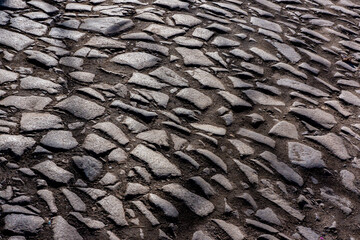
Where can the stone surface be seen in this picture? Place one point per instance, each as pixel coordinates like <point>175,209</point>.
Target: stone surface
<point>53,172</point>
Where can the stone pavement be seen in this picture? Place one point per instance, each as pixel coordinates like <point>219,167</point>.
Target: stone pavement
<point>169,119</point>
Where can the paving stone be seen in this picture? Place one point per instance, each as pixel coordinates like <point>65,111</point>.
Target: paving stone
<point>305,156</point>
<point>233,231</point>
<point>41,84</point>
<point>53,172</point>
<point>164,31</point>
<point>199,99</point>
<point>333,143</point>
<point>114,207</point>
<point>81,107</point>
<point>90,223</point>
<point>318,116</point>
<point>16,143</point>
<point>14,40</point>
<point>194,57</point>
<point>199,205</point>
<point>28,26</point>
<point>256,137</point>
<point>90,166</point>
<point>74,200</point>
<point>137,60</point>
<point>40,121</point>
<point>168,209</point>
<point>107,25</point>
<point>63,230</point>
<point>21,224</point>
<point>284,129</point>
<point>59,139</point>
<point>158,164</point>
<point>96,144</point>
<point>169,76</point>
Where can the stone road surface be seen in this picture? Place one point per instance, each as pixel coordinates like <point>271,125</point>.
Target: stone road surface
<point>179,119</point>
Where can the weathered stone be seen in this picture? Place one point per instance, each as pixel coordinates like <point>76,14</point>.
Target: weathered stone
<point>333,143</point>
<point>107,25</point>
<point>53,172</point>
<point>59,139</point>
<point>63,230</point>
<point>158,164</point>
<point>305,156</point>
<point>114,207</point>
<point>137,60</point>
<point>16,143</point>
<point>22,224</point>
<point>90,166</point>
<point>31,103</point>
<point>197,204</point>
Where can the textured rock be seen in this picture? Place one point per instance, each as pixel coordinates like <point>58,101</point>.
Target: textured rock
<point>53,172</point>
<point>158,164</point>
<point>107,25</point>
<point>16,143</point>
<point>21,224</point>
<point>63,230</point>
<point>197,204</point>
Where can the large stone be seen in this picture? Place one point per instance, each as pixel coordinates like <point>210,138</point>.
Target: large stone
<point>16,143</point>
<point>63,230</point>
<point>90,166</point>
<point>137,60</point>
<point>97,144</point>
<point>53,172</point>
<point>81,108</point>
<point>196,203</point>
<point>40,121</point>
<point>114,207</point>
<point>7,76</point>
<point>59,139</point>
<point>31,103</point>
<point>195,97</point>
<point>164,31</point>
<point>194,57</point>
<point>305,156</point>
<point>40,84</point>
<point>107,25</point>
<point>333,143</point>
<point>158,164</point>
<point>14,40</point>
<point>316,115</point>
<point>28,26</point>
<point>23,224</point>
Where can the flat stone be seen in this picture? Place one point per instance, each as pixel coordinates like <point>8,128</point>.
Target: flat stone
<point>14,40</point>
<point>350,98</point>
<point>209,128</point>
<point>268,215</point>
<point>252,67</point>
<point>233,231</point>
<point>133,189</point>
<point>305,156</point>
<point>46,7</point>
<point>146,81</point>
<point>59,139</point>
<point>22,224</point>
<point>107,25</point>
<point>113,131</point>
<point>137,60</point>
<point>256,137</point>
<point>7,76</point>
<point>308,233</point>
<point>164,31</point>
<point>270,194</point>
<point>41,84</point>
<point>105,42</point>
<point>186,20</point>
<point>84,77</point>
<point>249,172</point>
<point>206,79</point>
<point>202,33</point>
<point>301,87</point>
<point>158,164</point>
<point>195,97</point>
<point>194,57</point>
<point>265,56</point>
<point>316,115</point>
<point>114,207</point>
<point>96,144</point>
<point>53,172</point>
<point>147,115</point>
<point>75,201</point>
<point>288,51</point>
<point>158,137</point>
<point>213,158</point>
<point>90,166</point>
<point>81,108</point>
<point>235,102</point>
<point>200,235</point>
<point>62,33</point>
<point>168,209</point>
<point>146,212</point>
<point>188,42</point>
<point>39,121</point>
<point>262,98</point>
<point>224,42</point>
<point>90,223</point>
<point>282,168</point>
<point>16,143</point>
<point>28,26</point>
<point>199,205</point>
<point>284,129</point>
<point>169,76</point>
<point>243,148</point>
<point>73,62</point>
<point>174,4</point>
<point>266,24</point>
<point>333,143</point>
<point>48,197</point>
<point>63,230</point>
